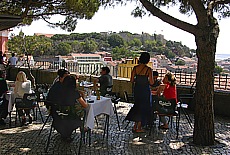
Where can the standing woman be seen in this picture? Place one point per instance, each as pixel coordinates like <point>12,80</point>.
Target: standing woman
<point>142,78</point>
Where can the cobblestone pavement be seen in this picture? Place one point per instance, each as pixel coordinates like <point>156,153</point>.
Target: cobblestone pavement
<point>25,140</point>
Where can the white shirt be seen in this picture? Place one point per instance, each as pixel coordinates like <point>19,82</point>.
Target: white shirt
<point>13,61</point>
<point>21,88</point>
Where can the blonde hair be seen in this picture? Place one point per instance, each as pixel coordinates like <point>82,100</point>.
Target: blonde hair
<point>21,76</point>
<point>171,78</point>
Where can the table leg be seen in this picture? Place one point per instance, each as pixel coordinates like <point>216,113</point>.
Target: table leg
<point>106,128</point>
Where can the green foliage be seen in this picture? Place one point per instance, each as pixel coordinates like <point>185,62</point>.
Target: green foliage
<point>180,63</point>
<point>71,10</point>
<point>218,69</point>
<point>118,53</point>
<point>35,45</point>
<point>115,40</point>
<point>63,48</point>
<point>90,42</point>
<point>89,46</point>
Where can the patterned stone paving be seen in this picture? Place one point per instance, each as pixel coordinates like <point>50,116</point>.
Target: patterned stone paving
<point>18,140</point>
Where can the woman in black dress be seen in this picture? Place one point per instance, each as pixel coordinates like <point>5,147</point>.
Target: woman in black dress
<point>142,78</point>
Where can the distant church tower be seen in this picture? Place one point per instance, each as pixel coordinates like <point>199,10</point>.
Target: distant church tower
<point>3,40</point>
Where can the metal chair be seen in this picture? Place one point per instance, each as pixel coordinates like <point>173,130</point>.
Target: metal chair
<point>66,113</point>
<point>128,97</point>
<point>167,108</point>
<point>28,102</point>
<point>115,100</point>
<point>183,106</point>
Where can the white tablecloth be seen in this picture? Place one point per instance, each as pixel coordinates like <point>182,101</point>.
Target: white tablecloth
<point>10,98</point>
<point>102,106</point>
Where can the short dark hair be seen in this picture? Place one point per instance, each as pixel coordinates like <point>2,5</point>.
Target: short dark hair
<point>69,82</point>
<point>155,73</point>
<point>144,58</point>
<point>61,72</point>
<point>106,69</point>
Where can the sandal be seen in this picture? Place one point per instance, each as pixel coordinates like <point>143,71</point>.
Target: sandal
<point>140,131</point>
<point>134,128</point>
<point>163,127</point>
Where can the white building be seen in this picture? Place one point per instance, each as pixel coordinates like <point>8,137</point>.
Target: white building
<point>87,58</point>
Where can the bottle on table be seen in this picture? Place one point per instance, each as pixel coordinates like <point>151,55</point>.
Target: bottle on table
<point>98,94</point>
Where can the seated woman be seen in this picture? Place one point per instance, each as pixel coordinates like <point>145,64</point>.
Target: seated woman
<point>169,92</point>
<point>65,94</point>
<point>22,86</point>
<point>3,101</point>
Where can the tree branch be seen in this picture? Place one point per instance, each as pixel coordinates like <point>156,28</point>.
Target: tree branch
<point>167,18</point>
<point>216,2</point>
<point>199,10</point>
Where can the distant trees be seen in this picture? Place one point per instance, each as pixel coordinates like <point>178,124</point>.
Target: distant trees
<point>180,63</point>
<point>218,69</point>
<point>123,42</point>
<point>115,40</point>
<point>63,48</point>
<point>118,53</point>
<point>35,45</point>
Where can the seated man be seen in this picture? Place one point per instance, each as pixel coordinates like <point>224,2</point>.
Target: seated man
<point>63,95</point>
<point>105,80</point>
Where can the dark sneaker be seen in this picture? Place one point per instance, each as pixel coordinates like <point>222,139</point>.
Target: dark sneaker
<point>30,119</point>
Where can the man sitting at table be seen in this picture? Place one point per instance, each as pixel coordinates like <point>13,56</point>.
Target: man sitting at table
<point>105,80</point>
<point>3,101</point>
<point>64,95</point>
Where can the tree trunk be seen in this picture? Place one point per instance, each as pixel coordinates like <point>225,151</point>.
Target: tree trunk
<point>204,133</point>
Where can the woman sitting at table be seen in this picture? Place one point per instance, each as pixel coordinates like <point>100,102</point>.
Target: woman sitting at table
<point>169,91</point>
<point>22,86</point>
<point>3,101</point>
<point>64,94</point>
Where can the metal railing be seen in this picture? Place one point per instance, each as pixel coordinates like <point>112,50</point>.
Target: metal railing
<point>221,82</point>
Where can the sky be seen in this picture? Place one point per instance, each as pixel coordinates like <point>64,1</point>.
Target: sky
<point>119,19</point>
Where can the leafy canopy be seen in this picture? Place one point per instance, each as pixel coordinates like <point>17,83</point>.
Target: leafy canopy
<point>72,10</point>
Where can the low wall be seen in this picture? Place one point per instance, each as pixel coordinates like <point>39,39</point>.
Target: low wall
<point>221,98</point>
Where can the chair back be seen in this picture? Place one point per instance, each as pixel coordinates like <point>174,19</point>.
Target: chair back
<point>28,101</point>
<point>69,112</point>
<point>165,106</point>
<point>126,96</point>
<point>109,89</point>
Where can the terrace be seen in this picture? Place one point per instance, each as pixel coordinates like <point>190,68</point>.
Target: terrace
<point>25,140</point>
<point>44,73</point>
